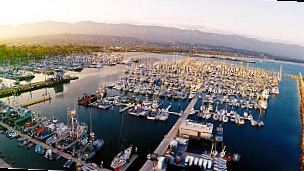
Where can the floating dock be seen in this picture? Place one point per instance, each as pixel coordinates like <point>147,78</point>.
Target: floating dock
<point>162,147</point>
<point>3,164</point>
<point>132,159</point>
<point>46,146</point>
<point>36,101</point>
<point>125,108</point>
<point>175,113</point>
<point>38,85</point>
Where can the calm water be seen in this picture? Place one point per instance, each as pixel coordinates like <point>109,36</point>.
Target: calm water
<point>276,146</point>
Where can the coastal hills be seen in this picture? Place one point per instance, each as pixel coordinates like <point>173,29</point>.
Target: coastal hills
<point>92,33</point>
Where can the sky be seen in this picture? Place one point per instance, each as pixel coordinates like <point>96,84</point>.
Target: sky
<point>262,19</point>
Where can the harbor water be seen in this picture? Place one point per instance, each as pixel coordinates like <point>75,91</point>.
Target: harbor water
<point>276,146</point>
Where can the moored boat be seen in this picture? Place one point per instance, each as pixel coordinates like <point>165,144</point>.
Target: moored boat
<point>121,159</point>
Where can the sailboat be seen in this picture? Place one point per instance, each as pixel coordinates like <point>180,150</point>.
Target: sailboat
<point>122,157</point>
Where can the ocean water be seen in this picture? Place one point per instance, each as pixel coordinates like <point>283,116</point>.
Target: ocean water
<point>276,146</point>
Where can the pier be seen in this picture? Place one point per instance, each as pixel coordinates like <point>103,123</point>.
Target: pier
<point>132,159</point>
<point>125,108</point>
<point>162,147</point>
<point>3,164</point>
<point>36,101</point>
<point>44,145</point>
<point>175,113</point>
<point>34,86</point>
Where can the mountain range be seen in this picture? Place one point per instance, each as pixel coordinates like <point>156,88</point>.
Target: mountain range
<point>141,34</point>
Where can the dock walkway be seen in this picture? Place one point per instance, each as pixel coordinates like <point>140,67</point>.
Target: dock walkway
<point>162,147</point>
<point>44,145</point>
<point>3,164</point>
<point>36,101</point>
<point>132,159</point>
<point>34,86</point>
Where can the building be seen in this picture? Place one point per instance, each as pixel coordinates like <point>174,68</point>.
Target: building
<point>196,129</point>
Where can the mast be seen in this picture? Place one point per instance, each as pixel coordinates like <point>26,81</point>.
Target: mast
<point>91,122</point>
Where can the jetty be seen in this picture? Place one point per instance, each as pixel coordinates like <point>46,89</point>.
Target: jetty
<point>162,147</point>
<point>125,108</point>
<point>175,113</point>
<point>3,164</point>
<point>36,101</point>
<point>46,146</point>
<point>34,86</point>
<point>301,88</point>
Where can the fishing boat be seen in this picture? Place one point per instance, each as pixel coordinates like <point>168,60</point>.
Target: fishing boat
<point>23,143</point>
<point>21,139</point>
<point>11,134</point>
<point>31,144</point>
<point>52,156</point>
<point>229,157</point>
<point>40,150</point>
<point>43,134</point>
<point>23,118</point>
<point>121,159</point>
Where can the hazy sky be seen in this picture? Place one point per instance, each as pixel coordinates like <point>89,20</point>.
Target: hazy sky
<point>264,19</point>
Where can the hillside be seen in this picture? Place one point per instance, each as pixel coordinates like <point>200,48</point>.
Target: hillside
<point>155,34</point>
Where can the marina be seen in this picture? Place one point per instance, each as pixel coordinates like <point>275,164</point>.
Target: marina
<point>175,110</point>
<point>152,86</point>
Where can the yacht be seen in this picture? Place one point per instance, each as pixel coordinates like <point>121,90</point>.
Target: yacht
<point>263,104</point>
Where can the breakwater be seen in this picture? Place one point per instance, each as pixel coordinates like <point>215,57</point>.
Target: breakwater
<point>300,78</point>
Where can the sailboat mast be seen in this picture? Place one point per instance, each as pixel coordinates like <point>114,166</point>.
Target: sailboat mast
<point>91,122</point>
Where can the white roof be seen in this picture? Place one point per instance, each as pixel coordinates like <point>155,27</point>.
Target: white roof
<point>195,126</point>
